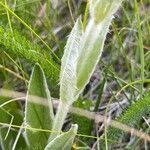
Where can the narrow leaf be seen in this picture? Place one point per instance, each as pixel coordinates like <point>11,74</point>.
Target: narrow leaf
<point>63,141</point>
<point>68,76</point>
<point>92,42</point>
<point>91,49</point>
<point>38,111</point>
<point>69,64</point>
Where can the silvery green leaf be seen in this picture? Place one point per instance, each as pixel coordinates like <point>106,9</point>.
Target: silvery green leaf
<point>63,141</point>
<point>38,109</point>
<point>91,49</point>
<point>92,42</point>
<point>102,9</point>
<point>69,64</point>
<point>68,76</point>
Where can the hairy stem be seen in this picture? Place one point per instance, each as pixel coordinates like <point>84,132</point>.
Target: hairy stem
<point>61,114</point>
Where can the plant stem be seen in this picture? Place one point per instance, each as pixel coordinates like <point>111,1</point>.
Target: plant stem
<point>61,114</point>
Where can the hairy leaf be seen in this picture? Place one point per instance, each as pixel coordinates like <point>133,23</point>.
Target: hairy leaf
<point>92,42</point>
<point>63,141</point>
<point>103,9</point>
<point>68,76</point>
<point>69,64</point>
<point>91,49</point>
<point>38,111</point>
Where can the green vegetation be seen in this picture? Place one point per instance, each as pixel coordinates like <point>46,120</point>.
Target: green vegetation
<point>88,90</point>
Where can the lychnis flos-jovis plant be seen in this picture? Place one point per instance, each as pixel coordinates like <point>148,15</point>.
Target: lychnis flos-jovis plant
<point>82,53</point>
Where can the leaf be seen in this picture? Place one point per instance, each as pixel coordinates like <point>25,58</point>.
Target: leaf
<point>38,111</point>
<point>92,42</point>
<point>68,76</point>
<point>91,49</point>
<point>63,141</point>
<point>69,64</point>
<point>131,117</point>
<point>22,47</point>
<point>103,9</point>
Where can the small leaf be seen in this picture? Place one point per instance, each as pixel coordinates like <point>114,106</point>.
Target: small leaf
<point>103,9</point>
<point>69,64</point>
<point>38,111</point>
<point>63,141</point>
